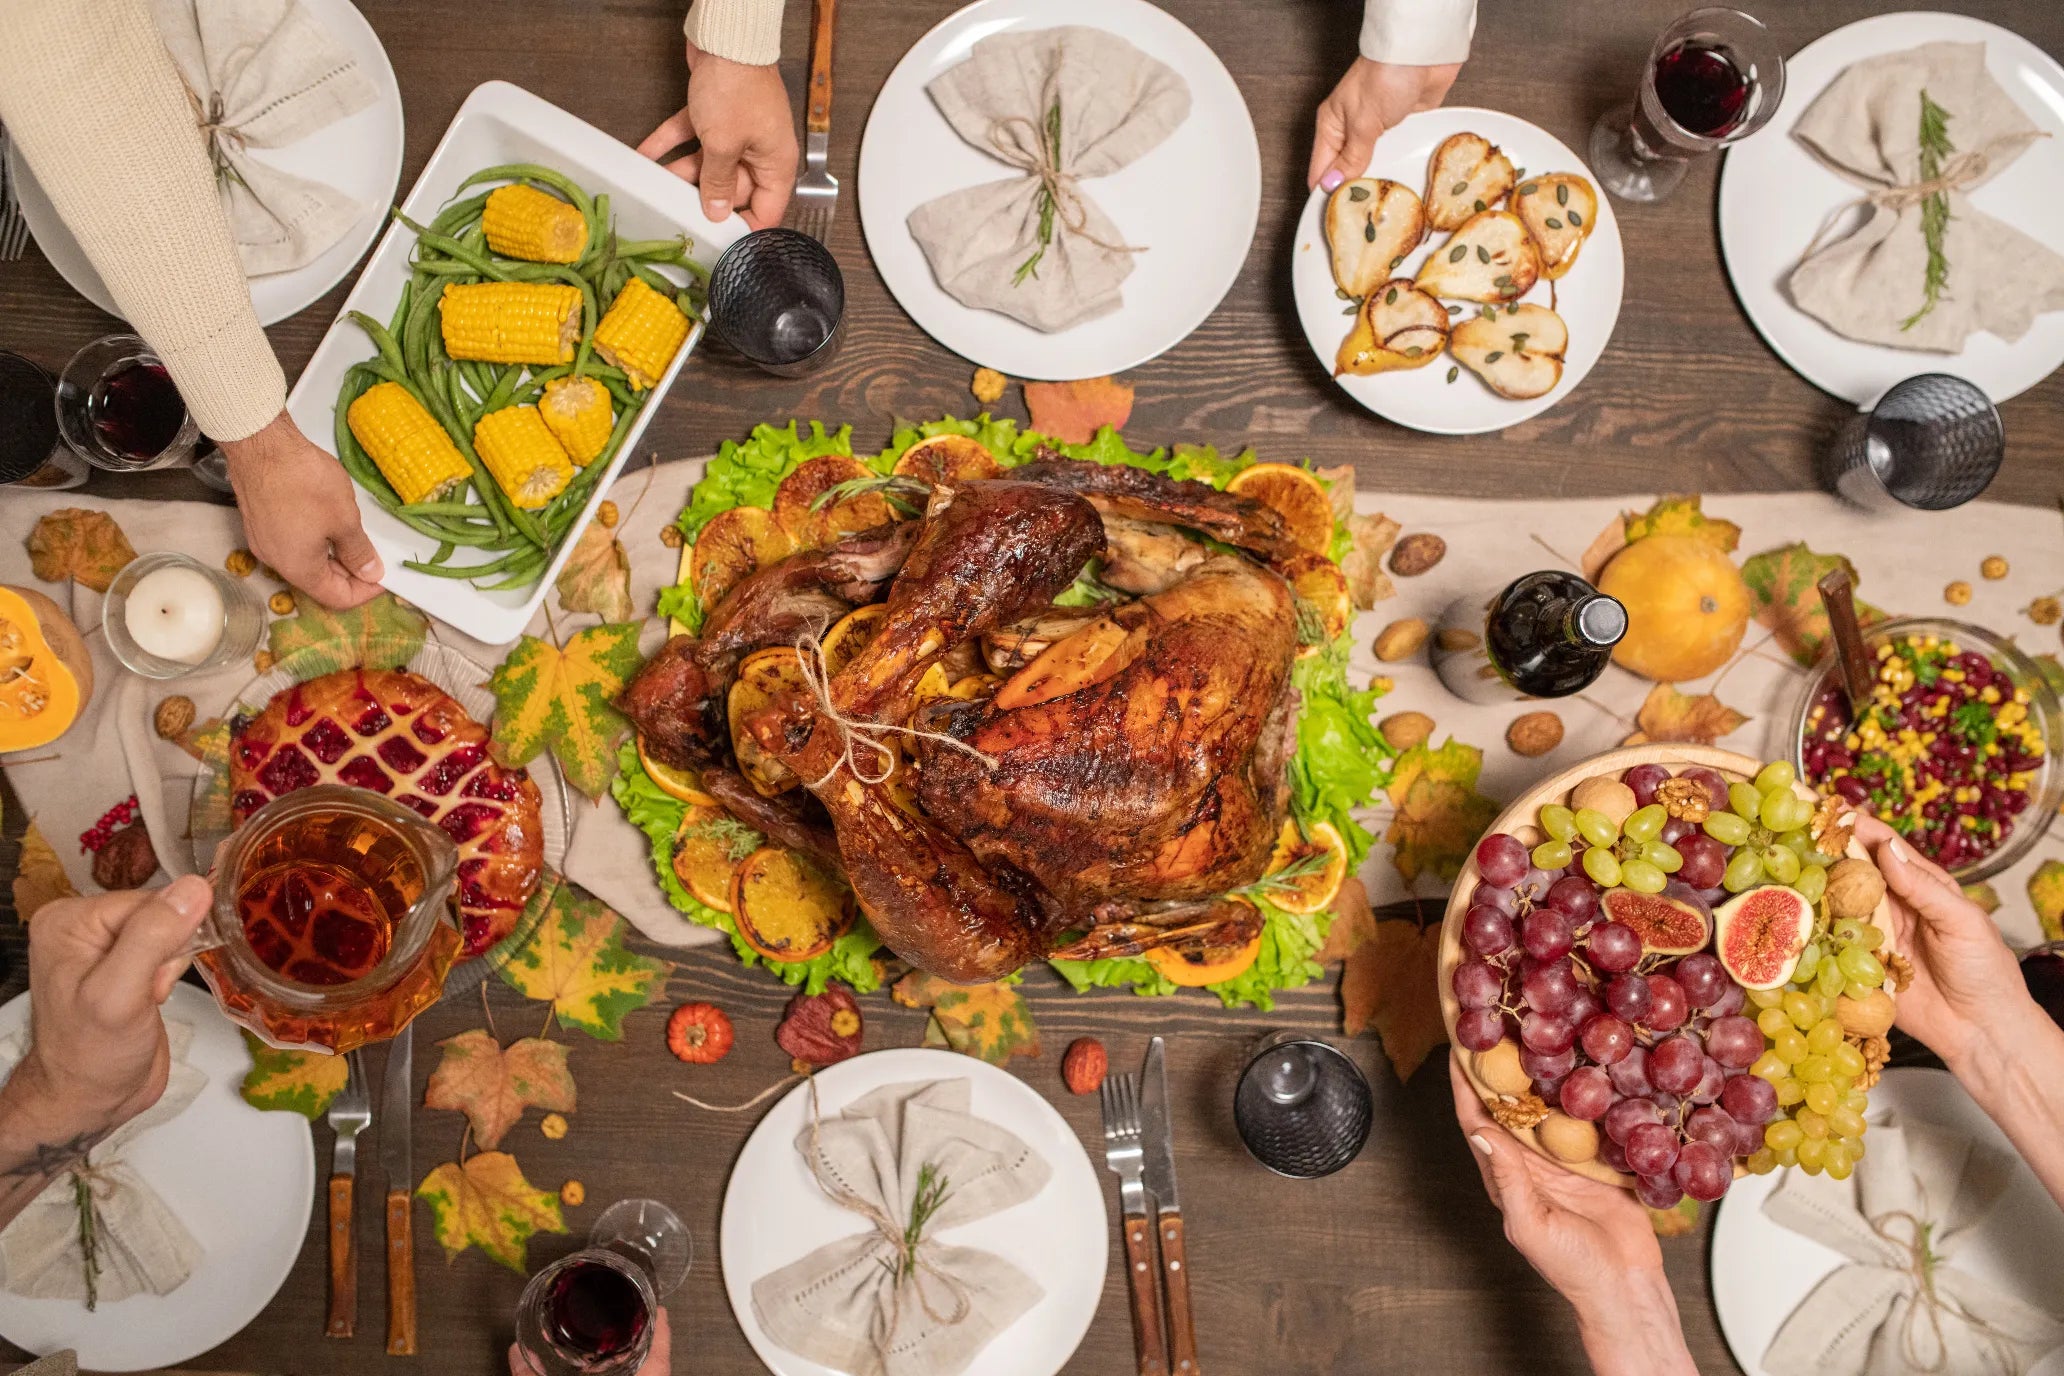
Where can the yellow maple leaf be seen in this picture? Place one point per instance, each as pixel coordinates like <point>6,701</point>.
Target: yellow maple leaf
<point>492,1084</point>
<point>549,698</point>
<point>1682,516</point>
<point>1668,715</point>
<point>987,1021</point>
<point>1390,983</point>
<point>39,876</point>
<point>576,961</point>
<point>2046,896</point>
<point>384,633</point>
<point>81,544</point>
<point>1439,814</point>
<point>486,1203</point>
<point>597,575</point>
<point>300,1082</point>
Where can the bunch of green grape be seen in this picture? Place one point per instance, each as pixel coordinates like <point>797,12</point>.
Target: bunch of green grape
<point>1766,822</point>
<point>1632,853</point>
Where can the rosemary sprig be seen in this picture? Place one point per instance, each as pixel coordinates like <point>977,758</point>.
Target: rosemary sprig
<point>1287,877</point>
<point>738,839</point>
<point>1030,267</point>
<point>89,1239</point>
<point>932,1189</point>
<point>1935,151</point>
<point>895,488</point>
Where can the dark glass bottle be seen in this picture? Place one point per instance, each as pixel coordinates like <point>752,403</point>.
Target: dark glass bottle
<point>1546,635</point>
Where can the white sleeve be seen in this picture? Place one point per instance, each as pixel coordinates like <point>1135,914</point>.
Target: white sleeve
<point>747,31</point>
<point>1418,33</point>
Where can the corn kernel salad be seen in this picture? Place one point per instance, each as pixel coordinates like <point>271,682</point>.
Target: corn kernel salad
<point>1946,751</point>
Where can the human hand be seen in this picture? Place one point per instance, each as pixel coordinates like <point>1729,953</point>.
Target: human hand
<point>300,516</point>
<point>99,968</point>
<point>747,156</point>
<point>1591,1241</point>
<point>1370,98</point>
<point>658,1362</point>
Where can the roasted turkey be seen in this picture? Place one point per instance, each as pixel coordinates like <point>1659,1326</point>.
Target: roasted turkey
<point>1100,777</point>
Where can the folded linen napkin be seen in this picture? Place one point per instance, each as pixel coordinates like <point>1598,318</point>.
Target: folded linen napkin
<point>1061,105</point>
<point>266,74</point>
<point>1899,1306</point>
<point>851,1305</point>
<point>140,1245</point>
<point>1873,285</point>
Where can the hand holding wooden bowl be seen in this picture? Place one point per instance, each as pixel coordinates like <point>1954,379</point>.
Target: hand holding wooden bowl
<point>1654,973</point>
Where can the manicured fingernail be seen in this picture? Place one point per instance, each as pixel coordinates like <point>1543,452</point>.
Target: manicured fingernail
<point>1899,851</point>
<point>372,570</point>
<point>1477,1140</point>
<point>189,895</point>
<point>1333,178</point>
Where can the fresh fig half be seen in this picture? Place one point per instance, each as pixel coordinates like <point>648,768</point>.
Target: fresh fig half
<point>1762,933</point>
<point>1666,926</point>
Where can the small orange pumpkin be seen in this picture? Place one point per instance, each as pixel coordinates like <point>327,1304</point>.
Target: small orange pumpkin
<point>46,675</point>
<point>1687,607</point>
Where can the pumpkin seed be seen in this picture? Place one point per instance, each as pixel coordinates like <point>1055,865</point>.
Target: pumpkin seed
<point>1395,261</point>
<point>1414,350</point>
<point>1519,341</point>
<point>1493,356</point>
<point>1456,255</point>
<point>1454,373</point>
<point>1529,189</point>
<point>1480,206</point>
<point>1390,297</point>
<point>1352,307</point>
<point>1483,255</point>
<point>1575,218</point>
<point>1552,222</point>
<point>1458,188</point>
<point>1341,292</point>
<point>1358,193</point>
<point>1369,230</point>
<point>1502,280</point>
<point>1561,194</point>
<point>1454,310</point>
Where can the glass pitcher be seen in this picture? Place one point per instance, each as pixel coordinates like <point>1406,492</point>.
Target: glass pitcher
<point>332,923</point>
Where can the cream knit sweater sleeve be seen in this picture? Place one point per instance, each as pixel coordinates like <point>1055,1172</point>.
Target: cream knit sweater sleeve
<point>747,31</point>
<point>93,102</point>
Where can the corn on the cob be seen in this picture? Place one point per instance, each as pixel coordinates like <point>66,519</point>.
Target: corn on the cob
<point>576,409</point>
<point>641,333</point>
<point>511,322</point>
<point>524,222</point>
<point>406,443</point>
<point>521,455</point>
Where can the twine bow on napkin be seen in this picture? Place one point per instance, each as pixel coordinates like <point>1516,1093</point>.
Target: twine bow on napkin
<point>893,1300</point>
<point>266,74</point>
<point>1916,131</point>
<point>1899,1308</point>
<point>1061,105</point>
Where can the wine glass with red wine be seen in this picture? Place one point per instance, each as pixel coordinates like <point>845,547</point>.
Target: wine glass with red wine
<point>593,1313</point>
<point>117,407</point>
<point>1714,77</point>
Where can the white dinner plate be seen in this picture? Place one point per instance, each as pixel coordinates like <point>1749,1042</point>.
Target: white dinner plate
<point>775,1213</point>
<point>360,155</point>
<point>1761,1270</point>
<point>1588,299</point>
<point>1191,201</point>
<point>1774,197</point>
<point>241,1180</point>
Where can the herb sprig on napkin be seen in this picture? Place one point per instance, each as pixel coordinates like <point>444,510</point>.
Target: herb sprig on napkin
<point>1935,151</point>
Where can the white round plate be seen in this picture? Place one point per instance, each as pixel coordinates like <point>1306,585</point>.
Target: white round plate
<point>1588,299</point>
<point>243,1183</point>
<point>774,1212</point>
<point>1192,200</point>
<point>359,155</point>
<point>1761,1271</point>
<point>1774,197</point>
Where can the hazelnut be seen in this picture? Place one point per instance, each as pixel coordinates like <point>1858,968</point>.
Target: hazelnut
<point>1084,1065</point>
<point>1400,639</point>
<point>2046,611</point>
<point>1535,734</point>
<point>1454,640</point>
<point>573,1194</point>
<point>241,563</point>
<point>281,602</point>
<point>987,386</point>
<point>174,715</point>
<point>670,536</point>
<point>1957,594</point>
<point>1500,1069</point>
<point>1869,1016</point>
<point>1854,888</point>
<point>553,1125</point>
<point>605,515</point>
<point>1994,567</point>
<point>263,661</point>
<point>1415,554</point>
<point>1567,1139</point>
<point>1405,729</point>
<point>1603,793</point>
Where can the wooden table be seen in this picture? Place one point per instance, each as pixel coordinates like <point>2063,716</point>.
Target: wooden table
<point>1398,1262</point>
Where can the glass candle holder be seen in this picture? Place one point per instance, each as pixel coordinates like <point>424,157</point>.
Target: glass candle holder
<point>118,409</point>
<point>167,615</point>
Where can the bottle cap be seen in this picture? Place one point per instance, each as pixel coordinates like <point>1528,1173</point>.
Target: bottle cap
<point>1601,620</point>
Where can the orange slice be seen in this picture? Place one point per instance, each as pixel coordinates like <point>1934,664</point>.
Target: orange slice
<point>703,847</point>
<point>1320,584</point>
<point>1321,864</point>
<point>948,458</point>
<point>732,545</point>
<point>1296,494</point>
<point>766,676</point>
<point>849,635</point>
<point>786,907</point>
<point>1210,965</point>
<point>810,525</point>
<point>675,783</point>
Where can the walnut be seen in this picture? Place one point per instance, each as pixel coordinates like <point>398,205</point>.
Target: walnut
<point>1685,799</point>
<point>1957,594</point>
<point>1517,1111</point>
<point>173,716</point>
<point>281,602</point>
<point>1899,971</point>
<point>1876,1051</point>
<point>1833,825</point>
<point>1534,734</point>
<point>1415,554</point>
<point>1994,567</point>
<point>605,515</point>
<point>1854,888</point>
<point>987,386</point>
<point>1400,640</point>
<point>670,536</point>
<point>241,563</point>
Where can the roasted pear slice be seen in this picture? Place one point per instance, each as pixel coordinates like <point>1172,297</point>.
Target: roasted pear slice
<point>1490,258</point>
<point>1398,326</point>
<point>1467,176</point>
<point>1558,212</point>
<point>1371,224</point>
<point>1516,350</point>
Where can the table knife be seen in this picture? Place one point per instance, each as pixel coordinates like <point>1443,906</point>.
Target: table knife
<point>397,1102</point>
<point>351,1113</point>
<point>1157,1134</point>
<point>1121,1103</point>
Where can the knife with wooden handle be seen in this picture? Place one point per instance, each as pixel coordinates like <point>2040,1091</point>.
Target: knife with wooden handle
<point>397,1100</point>
<point>1157,1140</point>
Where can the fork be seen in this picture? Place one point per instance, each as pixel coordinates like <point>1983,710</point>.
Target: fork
<point>816,192</point>
<point>14,227</point>
<point>1125,1158</point>
<point>351,1113</point>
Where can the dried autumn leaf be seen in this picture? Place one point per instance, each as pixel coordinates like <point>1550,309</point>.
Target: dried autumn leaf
<point>988,1021</point>
<point>821,1029</point>
<point>1390,983</point>
<point>492,1084</point>
<point>1679,1220</point>
<point>1340,485</point>
<point>207,741</point>
<point>1603,547</point>
<point>486,1203</point>
<point>1073,412</point>
<point>300,1082</point>
<point>1353,920</point>
<point>81,544</point>
<point>597,575</point>
<point>1367,581</point>
<point>39,876</point>
<point>1439,814</point>
<point>385,633</point>
<point>1784,592</point>
<point>1668,715</point>
<point>1984,895</point>
<point>1682,516</point>
<point>576,961</point>
<point>2046,896</point>
<point>547,698</point>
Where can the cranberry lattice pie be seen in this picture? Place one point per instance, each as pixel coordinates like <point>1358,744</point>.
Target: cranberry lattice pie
<point>399,734</point>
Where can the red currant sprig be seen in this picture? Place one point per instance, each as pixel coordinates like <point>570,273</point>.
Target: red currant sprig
<point>116,817</point>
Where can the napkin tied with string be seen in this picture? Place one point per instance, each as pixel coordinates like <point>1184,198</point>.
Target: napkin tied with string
<point>1061,105</point>
<point>1900,1305</point>
<point>140,1246</point>
<point>265,74</point>
<point>1870,285</point>
<point>851,1305</point>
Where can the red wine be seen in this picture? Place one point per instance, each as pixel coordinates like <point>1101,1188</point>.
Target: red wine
<point>136,410</point>
<point>1701,88</point>
<point>2044,972</point>
<point>595,1310</point>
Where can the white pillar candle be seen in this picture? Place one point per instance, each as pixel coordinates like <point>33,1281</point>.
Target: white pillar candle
<point>175,613</point>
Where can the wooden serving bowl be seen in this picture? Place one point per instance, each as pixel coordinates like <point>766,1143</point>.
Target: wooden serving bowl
<point>1518,820</point>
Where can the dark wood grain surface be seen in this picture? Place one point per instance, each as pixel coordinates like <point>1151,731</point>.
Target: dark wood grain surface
<point>1397,1263</point>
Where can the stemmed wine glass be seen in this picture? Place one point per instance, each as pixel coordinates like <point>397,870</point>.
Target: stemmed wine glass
<point>592,1313</point>
<point>1713,78</point>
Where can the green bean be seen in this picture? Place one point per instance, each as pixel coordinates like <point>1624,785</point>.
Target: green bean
<point>504,389</point>
<point>452,248</point>
<point>444,551</point>
<point>495,565</point>
<point>415,339</point>
<point>523,394</point>
<point>443,508</point>
<point>446,267</point>
<point>459,215</point>
<point>401,307</point>
<point>390,352</point>
<point>652,248</point>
